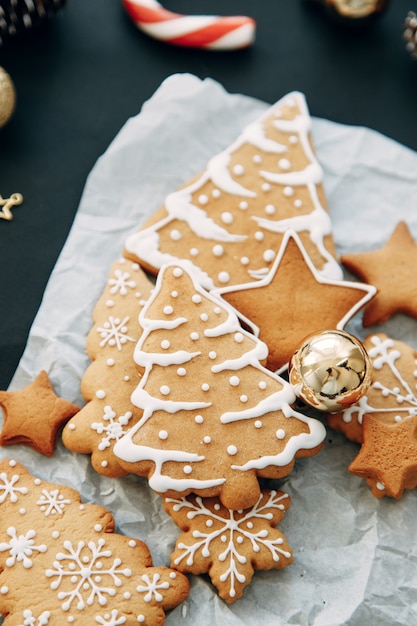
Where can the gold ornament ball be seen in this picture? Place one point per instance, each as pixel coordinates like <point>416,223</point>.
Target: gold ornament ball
<point>330,371</point>
<point>7,97</point>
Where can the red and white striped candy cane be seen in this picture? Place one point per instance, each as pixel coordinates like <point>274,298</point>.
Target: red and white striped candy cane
<point>213,32</point>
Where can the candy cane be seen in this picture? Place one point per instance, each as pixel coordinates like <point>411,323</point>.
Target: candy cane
<point>195,31</point>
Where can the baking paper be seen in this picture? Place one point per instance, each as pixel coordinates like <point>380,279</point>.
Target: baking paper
<point>355,557</point>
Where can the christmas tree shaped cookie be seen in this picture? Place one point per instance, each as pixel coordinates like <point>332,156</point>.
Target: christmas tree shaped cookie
<point>214,418</point>
<point>62,563</point>
<point>112,375</point>
<point>229,220</point>
<point>384,421</point>
<point>229,545</point>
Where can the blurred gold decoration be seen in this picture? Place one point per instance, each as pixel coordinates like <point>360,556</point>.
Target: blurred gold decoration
<point>410,33</point>
<point>7,203</point>
<point>7,97</point>
<point>354,11</point>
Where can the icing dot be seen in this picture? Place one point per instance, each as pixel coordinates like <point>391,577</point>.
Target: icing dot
<point>212,354</point>
<point>218,250</point>
<point>194,336</point>
<point>37,481</point>
<point>209,523</point>
<point>55,534</point>
<point>173,575</point>
<point>207,439</point>
<point>140,619</point>
<point>71,617</point>
<point>239,539</point>
<point>71,426</point>
<point>194,251</point>
<point>100,394</point>
<point>298,203</point>
<point>266,187</point>
<point>177,272</point>
<point>243,205</point>
<point>227,217</point>
<point>269,209</point>
<point>223,538</point>
<point>165,344</point>
<point>187,469</point>
<point>22,511</point>
<point>224,277</point>
<point>110,362</point>
<point>268,256</point>
<point>258,424</point>
<point>163,434</point>
<point>397,418</point>
<point>4,590</point>
<point>217,507</point>
<point>127,595</point>
<point>288,192</point>
<point>293,139</point>
<point>234,381</point>
<point>238,337</point>
<point>109,303</point>
<point>132,543</point>
<point>204,317</point>
<point>104,463</point>
<point>12,463</point>
<point>249,525</point>
<point>196,298</point>
<point>217,310</point>
<point>380,486</point>
<point>203,199</point>
<point>284,164</point>
<point>199,419</point>
<point>174,294</point>
<point>280,434</point>
<point>245,260</point>
<point>98,528</point>
<point>259,235</point>
<point>238,169</point>
<point>175,235</point>
<point>181,371</point>
<point>244,398</point>
<point>257,158</point>
<point>216,193</point>
<point>165,390</point>
<point>168,309</point>
<point>205,386</point>
<point>232,450</point>
<point>262,384</point>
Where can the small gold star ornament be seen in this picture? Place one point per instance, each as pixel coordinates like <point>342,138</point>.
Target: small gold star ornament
<point>7,97</point>
<point>330,371</point>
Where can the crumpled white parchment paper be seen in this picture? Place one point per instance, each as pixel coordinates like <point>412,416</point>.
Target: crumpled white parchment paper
<point>355,556</point>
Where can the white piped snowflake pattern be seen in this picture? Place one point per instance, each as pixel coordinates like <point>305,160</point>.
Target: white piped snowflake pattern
<point>111,619</point>
<point>21,547</point>
<point>383,352</point>
<point>236,531</point>
<point>85,567</point>
<point>52,502</point>
<point>114,332</point>
<point>151,587</point>
<point>111,428</point>
<point>121,283</point>
<point>30,620</point>
<point>8,487</point>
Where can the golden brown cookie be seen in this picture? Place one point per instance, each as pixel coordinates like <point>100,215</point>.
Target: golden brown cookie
<point>62,563</point>
<point>111,377</point>
<point>34,415</point>
<point>294,300</point>
<point>214,419</point>
<point>229,545</point>
<point>392,270</point>
<point>384,418</point>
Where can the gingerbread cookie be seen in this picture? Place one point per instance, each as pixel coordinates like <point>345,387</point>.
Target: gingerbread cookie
<point>61,561</point>
<point>392,270</point>
<point>229,545</point>
<point>214,419</point>
<point>385,419</point>
<point>34,415</point>
<point>294,300</point>
<point>110,379</point>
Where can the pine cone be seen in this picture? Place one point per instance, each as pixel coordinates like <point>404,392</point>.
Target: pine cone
<point>410,33</point>
<point>17,16</point>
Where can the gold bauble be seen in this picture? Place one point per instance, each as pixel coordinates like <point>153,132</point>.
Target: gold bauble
<point>330,371</point>
<point>7,97</point>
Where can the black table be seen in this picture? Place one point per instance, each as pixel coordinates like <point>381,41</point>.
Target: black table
<point>85,72</point>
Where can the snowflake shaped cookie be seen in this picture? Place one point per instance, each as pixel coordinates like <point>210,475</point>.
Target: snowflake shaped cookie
<point>384,421</point>
<point>229,545</point>
<point>71,564</point>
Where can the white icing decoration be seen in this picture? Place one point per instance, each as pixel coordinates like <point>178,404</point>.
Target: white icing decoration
<point>163,434</point>
<point>100,394</point>
<point>96,573</point>
<point>111,428</point>
<point>52,502</point>
<point>8,487</point>
<point>233,532</point>
<point>224,277</point>
<point>203,198</point>
<point>232,450</point>
<point>30,620</point>
<point>21,547</point>
<point>218,250</point>
<point>121,283</point>
<point>111,619</point>
<point>114,332</point>
<point>151,587</point>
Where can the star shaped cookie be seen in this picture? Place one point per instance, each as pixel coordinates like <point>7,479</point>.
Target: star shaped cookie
<point>295,300</point>
<point>388,456</point>
<point>392,269</point>
<point>33,415</point>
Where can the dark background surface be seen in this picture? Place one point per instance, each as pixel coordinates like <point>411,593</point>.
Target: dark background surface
<point>86,71</point>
